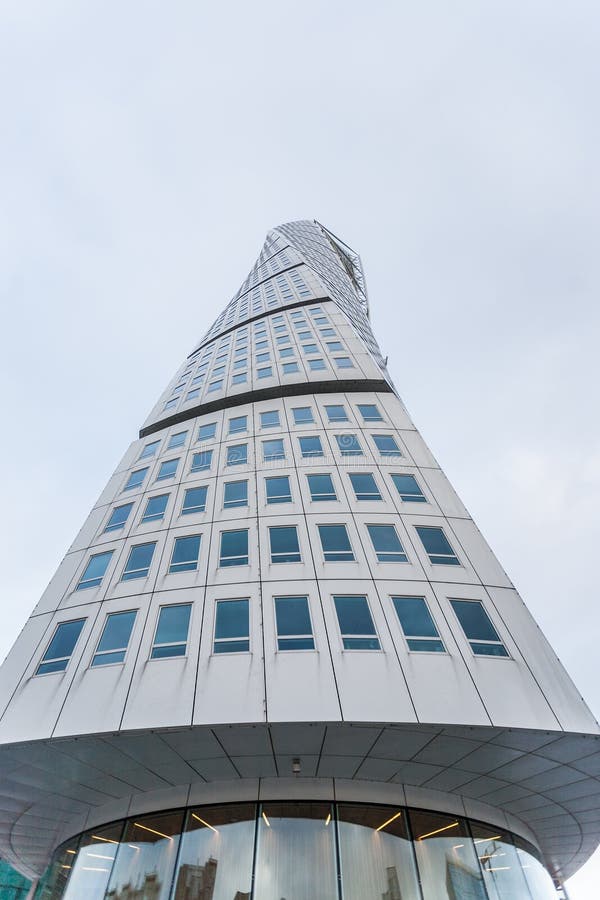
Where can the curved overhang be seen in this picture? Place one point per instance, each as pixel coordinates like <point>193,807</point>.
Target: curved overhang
<point>543,785</point>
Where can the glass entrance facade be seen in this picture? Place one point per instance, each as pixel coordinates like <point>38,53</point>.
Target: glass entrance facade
<point>296,851</point>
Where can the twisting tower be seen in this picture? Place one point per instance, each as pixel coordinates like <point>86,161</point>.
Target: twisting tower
<point>279,659</point>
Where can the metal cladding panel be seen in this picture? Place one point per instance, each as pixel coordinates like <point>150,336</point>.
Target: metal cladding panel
<point>280,464</point>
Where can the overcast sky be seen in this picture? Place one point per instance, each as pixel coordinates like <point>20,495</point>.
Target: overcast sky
<point>145,150</point>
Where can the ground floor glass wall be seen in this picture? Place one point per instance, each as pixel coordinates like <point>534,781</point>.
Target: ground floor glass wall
<point>296,851</point>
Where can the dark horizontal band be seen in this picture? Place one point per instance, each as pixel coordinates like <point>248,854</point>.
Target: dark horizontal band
<point>261,315</point>
<point>297,389</point>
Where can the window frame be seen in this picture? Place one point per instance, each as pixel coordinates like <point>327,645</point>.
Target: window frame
<point>229,640</point>
<point>446,558</point>
<point>97,653</point>
<point>297,636</point>
<point>281,553</point>
<point>59,659</point>
<point>416,637</point>
<point>357,636</point>
<point>325,526</point>
<point>185,566</point>
<point>246,556</point>
<point>155,645</point>
<point>481,642</point>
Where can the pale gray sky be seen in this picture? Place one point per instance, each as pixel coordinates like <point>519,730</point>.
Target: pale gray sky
<point>146,149</point>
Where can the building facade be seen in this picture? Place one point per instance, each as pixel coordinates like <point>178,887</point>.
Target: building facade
<point>279,659</point>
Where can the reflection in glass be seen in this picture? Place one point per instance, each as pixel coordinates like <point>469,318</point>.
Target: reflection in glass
<point>500,864</point>
<point>445,856</point>
<point>93,864</point>
<point>287,833</point>
<point>376,855</point>
<point>51,885</point>
<point>215,861</point>
<point>538,879</point>
<point>146,858</point>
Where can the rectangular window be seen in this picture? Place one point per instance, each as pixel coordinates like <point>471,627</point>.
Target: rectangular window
<point>237,424</point>
<point>321,487</point>
<point>303,415</point>
<point>135,479</point>
<point>235,493</point>
<point>370,412</point>
<point>266,372</point>
<point>294,629</point>
<point>408,488</point>
<point>113,644</point>
<point>437,547</point>
<point>327,332</point>
<point>263,357</point>
<point>343,362</point>
<point>201,461</point>
<point>364,485</point>
<point>185,554</point>
<point>284,544</point>
<point>417,624</point>
<point>273,450</point>
<point>386,543</point>
<point>194,500</point>
<point>277,489</point>
<point>310,446</point>
<point>309,348</point>
<point>356,624</point>
<point>171,631</point>
<point>237,455</point>
<point>240,364</point>
<point>170,404</point>
<point>286,352</point>
<point>118,517</point>
<point>348,445</point>
<point>269,419</point>
<point>386,444</point>
<point>336,413</point>
<point>60,649</point>
<point>316,365</point>
<point>207,432</point>
<point>192,395</point>
<point>215,385</point>
<point>240,378</point>
<point>334,346</point>
<point>149,450</point>
<point>232,626</point>
<point>95,570</point>
<point>167,469</point>
<point>139,561</point>
<point>177,440</point>
<point>234,548</point>
<point>335,543</point>
<point>155,508</point>
<point>477,626</point>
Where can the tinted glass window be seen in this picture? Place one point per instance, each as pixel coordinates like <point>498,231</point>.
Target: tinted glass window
<point>310,446</point>
<point>478,628</point>
<point>356,625</point>
<point>118,517</point>
<point>364,486</point>
<point>237,455</point>
<point>269,419</point>
<point>194,500</point>
<point>336,543</point>
<point>155,508</point>
<point>294,629</point>
<point>386,543</point>
<point>201,461</point>
<point>149,450</point>
<point>369,412</point>
<point>321,487</point>
<point>277,489</point>
<point>273,449</point>
<point>348,445</point>
<point>135,479</point>
<point>239,423</point>
<point>232,626</point>
<point>234,548</point>
<point>139,561</point>
<point>171,631</point>
<point>417,624</point>
<point>235,493</point>
<point>95,570</point>
<point>177,440</point>
<point>167,469</point>
<point>386,444</point>
<point>61,647</point>
<point>302,414</point>
<point>112,646</point>
<point>408,488</point>
<point>284,544</point>
<point>336,413</point>
<point>207,432</point>
<point>437,546</point>
<point>185,554</point>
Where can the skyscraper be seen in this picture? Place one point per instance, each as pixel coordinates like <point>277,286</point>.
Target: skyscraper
<point>279,643</point>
